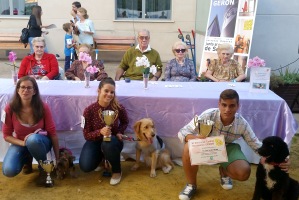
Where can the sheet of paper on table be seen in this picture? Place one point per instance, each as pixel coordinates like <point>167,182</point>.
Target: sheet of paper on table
<point>208,151</point>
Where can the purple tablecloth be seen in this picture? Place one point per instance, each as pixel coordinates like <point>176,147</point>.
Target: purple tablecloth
<point>170,104</point>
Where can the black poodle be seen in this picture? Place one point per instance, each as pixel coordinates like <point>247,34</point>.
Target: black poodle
<point>271,181</point>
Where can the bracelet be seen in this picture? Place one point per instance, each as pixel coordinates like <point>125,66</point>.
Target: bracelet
<point>156,77</point>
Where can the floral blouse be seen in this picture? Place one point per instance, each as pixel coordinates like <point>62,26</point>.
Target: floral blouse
<point>94,123</point>
<point>225,73</point>
<point>77,70</point>
<point>180,73</point>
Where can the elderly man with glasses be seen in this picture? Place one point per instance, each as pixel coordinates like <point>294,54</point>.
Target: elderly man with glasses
<point>128,66</point>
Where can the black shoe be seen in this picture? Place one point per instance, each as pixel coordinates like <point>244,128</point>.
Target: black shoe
<point>27,168</point>
<point>41,179</point>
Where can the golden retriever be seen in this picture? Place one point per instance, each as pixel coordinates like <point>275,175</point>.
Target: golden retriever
<point>152,147</point>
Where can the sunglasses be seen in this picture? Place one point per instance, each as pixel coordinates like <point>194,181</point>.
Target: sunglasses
<point>180,50</point>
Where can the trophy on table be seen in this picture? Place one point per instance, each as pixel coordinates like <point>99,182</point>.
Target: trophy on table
<point>205,126</point>
<point>108,116</point>
<point>48,167</point>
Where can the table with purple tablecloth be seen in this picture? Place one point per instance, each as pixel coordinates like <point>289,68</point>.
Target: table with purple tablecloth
<point>170,104</point>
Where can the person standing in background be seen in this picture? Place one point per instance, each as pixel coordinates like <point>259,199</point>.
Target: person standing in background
<point>75,6</point>
<point>85,27</point>
<point>35,26</point>
<point>68,44</point>
<point>75,18</point>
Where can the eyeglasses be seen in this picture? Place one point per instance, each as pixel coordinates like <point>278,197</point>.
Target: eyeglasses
<point>23,88</point>
<point>227,54</point>
<point>143,37</point>
<point>180,50</point>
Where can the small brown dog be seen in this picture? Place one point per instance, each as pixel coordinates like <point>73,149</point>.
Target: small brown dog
<point>65,163</point>
<point>152,148</point>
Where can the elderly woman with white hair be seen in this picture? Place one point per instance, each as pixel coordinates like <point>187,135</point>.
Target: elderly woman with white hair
<point>225,69</point>
<point>181,68</point>
<point>40,65</point>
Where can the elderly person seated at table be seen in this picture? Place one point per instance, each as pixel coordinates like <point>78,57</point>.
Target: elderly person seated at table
<point>78,67</point>
<point>128,66</point>
<point>39,65</point>
<point>180,68</point>
<point>225,69</point>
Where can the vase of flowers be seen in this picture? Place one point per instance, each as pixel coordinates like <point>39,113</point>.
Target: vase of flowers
<point>89,70</point>
<point>146,70</point>
<point>145,80</point>
<point>12,56</point>
<point>253,64</point>
<point>86,62</point>
<point>86,79</point>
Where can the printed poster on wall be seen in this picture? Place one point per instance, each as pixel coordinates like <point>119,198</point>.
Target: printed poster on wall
<point>230,21</point>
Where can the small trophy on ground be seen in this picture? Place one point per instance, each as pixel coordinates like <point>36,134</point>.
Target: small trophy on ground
<point>48,167</point>
<point>205,126</point>
<point>108,116</point>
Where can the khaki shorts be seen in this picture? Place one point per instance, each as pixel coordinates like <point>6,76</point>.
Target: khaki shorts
<point>233,153</point>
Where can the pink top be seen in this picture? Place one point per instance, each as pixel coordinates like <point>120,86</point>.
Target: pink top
<point>12,124</point>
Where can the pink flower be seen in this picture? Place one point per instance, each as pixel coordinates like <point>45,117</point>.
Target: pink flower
<point>12,56</point>
<point>84,57</point>
<point>256,62</point>
<point>92,69</point>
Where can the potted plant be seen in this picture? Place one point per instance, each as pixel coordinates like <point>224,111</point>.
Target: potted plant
<point>286,85</point>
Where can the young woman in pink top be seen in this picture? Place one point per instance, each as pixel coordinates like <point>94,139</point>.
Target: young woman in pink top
<point>30,119</point>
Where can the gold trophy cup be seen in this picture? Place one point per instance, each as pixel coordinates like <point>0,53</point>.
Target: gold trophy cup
<point>205,126</point>
<point>48,167</point>
<point>108,116</point>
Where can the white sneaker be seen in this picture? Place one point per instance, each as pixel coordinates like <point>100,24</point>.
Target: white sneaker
<point>187,192</point>
<point>226,183</point>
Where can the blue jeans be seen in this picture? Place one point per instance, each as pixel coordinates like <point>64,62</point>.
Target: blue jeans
<point>67,63</point>
<point>93,152</point>
<point>31,46</point>
<point>37,146</point>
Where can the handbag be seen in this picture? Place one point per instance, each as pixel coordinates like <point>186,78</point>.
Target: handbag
<point>25,35</point>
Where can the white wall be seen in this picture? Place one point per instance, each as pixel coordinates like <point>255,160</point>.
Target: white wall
<point>102,12</point>
<point>276,32</point>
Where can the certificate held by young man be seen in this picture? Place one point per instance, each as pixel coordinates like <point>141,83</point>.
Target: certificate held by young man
<point>207,151</point>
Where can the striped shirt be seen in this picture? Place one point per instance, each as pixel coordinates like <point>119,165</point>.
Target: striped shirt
<point>238,128</point>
